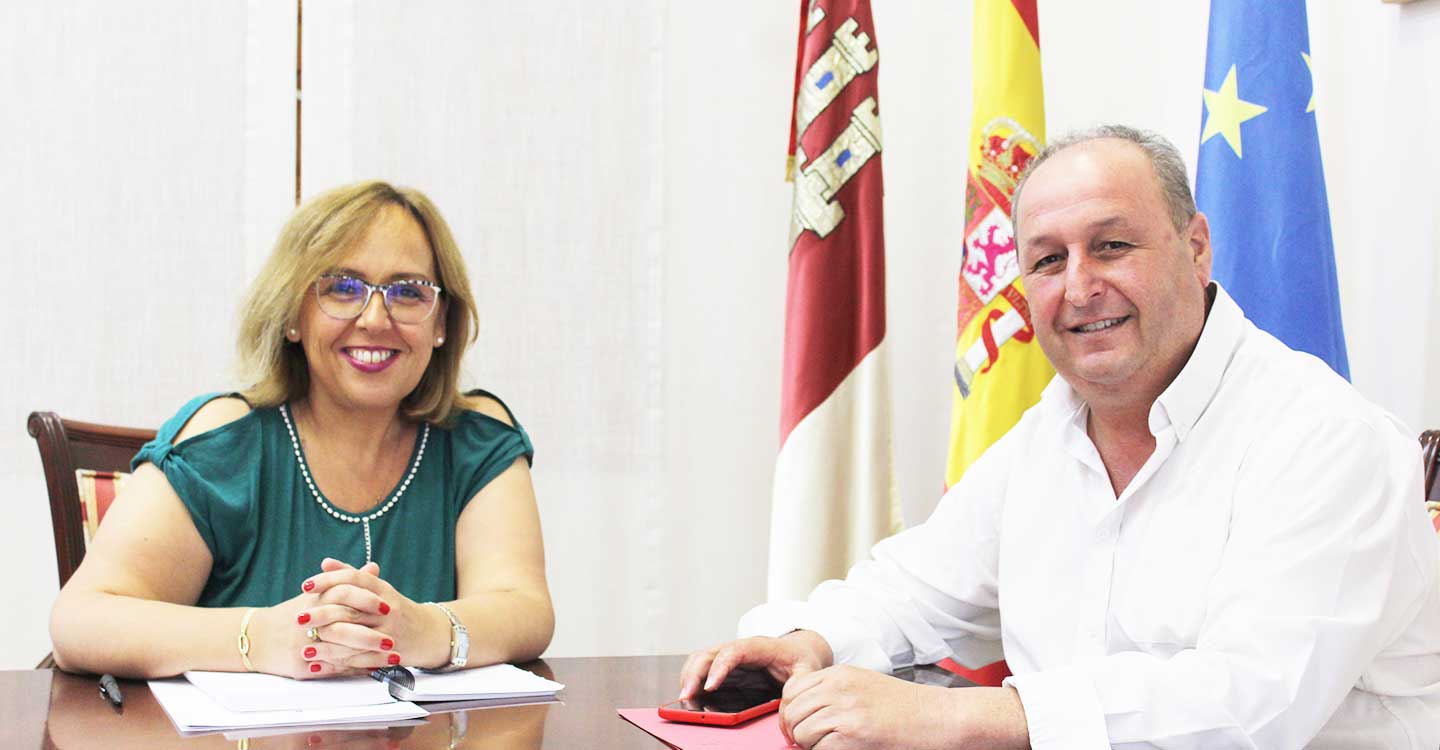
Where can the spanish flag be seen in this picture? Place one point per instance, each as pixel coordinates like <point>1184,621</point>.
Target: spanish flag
<point>999,368</point>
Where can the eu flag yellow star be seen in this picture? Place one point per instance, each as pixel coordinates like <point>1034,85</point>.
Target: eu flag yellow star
<point>1311,106</point>
<point>1225,110</point>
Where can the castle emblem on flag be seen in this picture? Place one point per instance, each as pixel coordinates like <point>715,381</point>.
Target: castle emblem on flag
<point>847,57</point>
<point>822,178</point>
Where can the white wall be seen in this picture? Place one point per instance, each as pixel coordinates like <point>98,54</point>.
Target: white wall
<point>1379,109</point>
<point>613,170</point>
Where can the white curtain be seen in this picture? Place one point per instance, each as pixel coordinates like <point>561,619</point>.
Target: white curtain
<point>144,163</point>
<point>535,127</point>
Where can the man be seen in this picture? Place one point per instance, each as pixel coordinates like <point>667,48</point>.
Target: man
<point>1197,539</point>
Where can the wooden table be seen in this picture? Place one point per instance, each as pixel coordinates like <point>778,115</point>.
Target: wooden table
<point>45,709</point>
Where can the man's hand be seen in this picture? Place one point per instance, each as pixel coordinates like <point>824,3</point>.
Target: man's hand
<point>848,708</point>
<point>797,652</point>
<point>841,708</point>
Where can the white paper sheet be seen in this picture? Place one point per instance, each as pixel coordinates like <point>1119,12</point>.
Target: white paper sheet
<point>251,691</point>
<point>192,710</point>
<point>496,681</point>
<point>207,701</point>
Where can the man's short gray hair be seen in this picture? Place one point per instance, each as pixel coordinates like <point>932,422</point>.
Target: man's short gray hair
<point>1164,158</point>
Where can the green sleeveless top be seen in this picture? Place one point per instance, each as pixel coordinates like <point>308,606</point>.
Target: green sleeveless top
<point>246,488</point>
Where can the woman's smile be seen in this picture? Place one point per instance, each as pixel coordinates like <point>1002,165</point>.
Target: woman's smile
<point>369,359</point>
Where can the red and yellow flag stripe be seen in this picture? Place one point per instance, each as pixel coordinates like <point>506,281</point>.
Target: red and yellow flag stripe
<point>999,368</point>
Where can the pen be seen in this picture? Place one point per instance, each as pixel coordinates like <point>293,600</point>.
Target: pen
<point>110,690</point>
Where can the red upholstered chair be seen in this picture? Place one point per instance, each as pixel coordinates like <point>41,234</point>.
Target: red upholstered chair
<point>85,466</point>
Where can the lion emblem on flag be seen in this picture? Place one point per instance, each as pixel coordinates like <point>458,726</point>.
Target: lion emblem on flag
<point>991,262</point>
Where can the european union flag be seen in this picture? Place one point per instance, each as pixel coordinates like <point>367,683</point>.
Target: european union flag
<point>1259,178</point>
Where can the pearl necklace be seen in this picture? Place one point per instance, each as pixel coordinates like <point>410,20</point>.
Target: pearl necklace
<point>364,520</point>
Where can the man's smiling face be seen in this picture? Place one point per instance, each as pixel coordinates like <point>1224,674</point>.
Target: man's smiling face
<point>1117,295</point>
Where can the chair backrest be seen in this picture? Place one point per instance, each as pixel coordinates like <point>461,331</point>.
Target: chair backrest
<point>1430,450</point>
<point>67,446</point>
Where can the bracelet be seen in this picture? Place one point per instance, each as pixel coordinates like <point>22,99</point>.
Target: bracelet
<point>243,641</point>
<point>459,640</point>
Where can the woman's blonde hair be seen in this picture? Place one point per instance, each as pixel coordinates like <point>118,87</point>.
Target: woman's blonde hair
<point>314,240</point>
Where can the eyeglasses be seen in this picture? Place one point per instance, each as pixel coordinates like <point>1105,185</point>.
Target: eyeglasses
<point>345,297</point>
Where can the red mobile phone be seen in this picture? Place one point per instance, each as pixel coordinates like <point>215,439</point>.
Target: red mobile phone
<point>744,695</point>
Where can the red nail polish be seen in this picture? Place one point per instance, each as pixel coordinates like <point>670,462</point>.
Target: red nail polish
<point>309,652</point>
<point>393,659</point>
<point>303,618</point>
<point>384,608</point>
<point>314,667</point>
<point>309,585</point>
<point>386,644</point>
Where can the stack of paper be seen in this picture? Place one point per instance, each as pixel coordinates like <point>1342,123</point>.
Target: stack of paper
<point>495,683</point>
<point>194,710</point>
<point>207,701</point>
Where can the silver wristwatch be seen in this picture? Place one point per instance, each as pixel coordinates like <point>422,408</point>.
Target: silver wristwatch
<point>459,640</point>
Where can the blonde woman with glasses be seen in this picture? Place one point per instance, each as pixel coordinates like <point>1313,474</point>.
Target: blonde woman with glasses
<point>353,508</point>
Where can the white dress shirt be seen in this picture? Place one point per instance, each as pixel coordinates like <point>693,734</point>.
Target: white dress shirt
<point>1267,580</point>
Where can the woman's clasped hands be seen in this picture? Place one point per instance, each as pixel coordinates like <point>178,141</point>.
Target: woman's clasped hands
<point>345,621</point>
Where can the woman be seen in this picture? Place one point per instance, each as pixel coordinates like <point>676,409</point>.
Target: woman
<point>350,510</point>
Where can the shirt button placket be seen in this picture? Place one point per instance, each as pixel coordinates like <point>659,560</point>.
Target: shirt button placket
<point>1096,593</point>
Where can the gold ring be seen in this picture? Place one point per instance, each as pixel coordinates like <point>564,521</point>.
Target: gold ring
<point>312,634</point>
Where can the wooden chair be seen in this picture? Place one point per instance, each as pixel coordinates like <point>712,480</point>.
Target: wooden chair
<point>65,447</point>
<point>1430,449</point>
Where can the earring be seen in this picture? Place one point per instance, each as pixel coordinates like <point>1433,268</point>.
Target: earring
<point>440,341</point>
<point>292,334</point>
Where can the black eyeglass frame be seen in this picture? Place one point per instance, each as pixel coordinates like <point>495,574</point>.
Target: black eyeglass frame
<point>384,289</point>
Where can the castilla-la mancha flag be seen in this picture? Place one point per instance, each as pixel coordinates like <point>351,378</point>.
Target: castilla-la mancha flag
<point>834,487</point>
<point>999,368</point>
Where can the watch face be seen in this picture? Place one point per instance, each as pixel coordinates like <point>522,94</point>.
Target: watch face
<point>462,648</point>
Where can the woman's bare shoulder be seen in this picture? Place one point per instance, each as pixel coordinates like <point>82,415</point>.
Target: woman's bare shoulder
<point>489,406</point>
<point>214,414</point>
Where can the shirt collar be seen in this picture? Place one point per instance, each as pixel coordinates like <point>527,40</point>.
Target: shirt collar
<point>1062,400</point>
<point>1187,396</point>
<point>1182,403</point>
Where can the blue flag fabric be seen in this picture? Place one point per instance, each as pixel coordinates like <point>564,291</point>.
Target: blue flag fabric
<point>1259,178</point>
